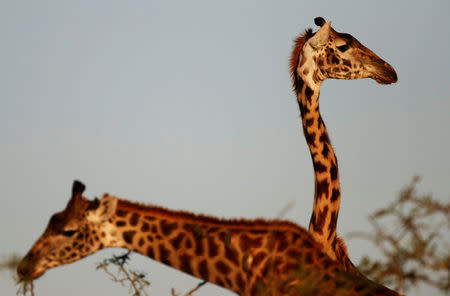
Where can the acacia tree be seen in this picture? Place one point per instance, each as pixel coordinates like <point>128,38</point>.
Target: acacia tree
<point>412,234</point>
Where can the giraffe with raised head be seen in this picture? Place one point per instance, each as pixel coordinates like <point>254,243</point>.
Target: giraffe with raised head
<point>316,57</point>
<point>249,257</point>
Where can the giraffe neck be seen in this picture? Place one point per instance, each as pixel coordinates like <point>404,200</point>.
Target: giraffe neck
<point>234,254</point>
<point>327,194</point>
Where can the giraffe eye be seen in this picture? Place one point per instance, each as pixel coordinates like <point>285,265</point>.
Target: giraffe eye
<point>343,48</point>
<point>68,233</point>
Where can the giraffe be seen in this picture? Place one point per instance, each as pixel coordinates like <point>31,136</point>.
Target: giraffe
<point>316,57</point>
<point>249,257</point>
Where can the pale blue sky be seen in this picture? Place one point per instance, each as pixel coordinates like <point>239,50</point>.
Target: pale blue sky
<point>189,105</point>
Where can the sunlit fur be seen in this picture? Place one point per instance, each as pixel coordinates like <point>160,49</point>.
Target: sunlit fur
<point>293,61</point>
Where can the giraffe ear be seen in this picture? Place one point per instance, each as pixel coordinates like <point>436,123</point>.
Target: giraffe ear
<point>321,37</point>
<point>102,210</point>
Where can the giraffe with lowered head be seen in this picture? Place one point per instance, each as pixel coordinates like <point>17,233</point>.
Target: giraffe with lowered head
<point>316,57</point>
<point>249,257</point>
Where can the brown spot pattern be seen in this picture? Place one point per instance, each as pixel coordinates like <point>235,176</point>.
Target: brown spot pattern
<point>167,227</point>
<point>128,236</point>
<point>232,255</point>
<point>258,258</point>
<point>246,242</point>
<point>222,267</point>
<point>203,269</point>
<point>294,253</point>
<point>198,245</point>
<point>188,243</point>
<point>164,254</point>
<point>318,226</point>
<point>145,227</point>
<point>121,213</point>
<point>213,248</point>
<point>319,167</point>
<point>335,195</point>
<point>308,92</point>
<point>176,241</point>
<point>134,219</point>
<point>185,261</point>
<point>322,188</point>
<point>150,252</point>
<point>333,172</point>
<point>240,281</point>
<point>282,243</point>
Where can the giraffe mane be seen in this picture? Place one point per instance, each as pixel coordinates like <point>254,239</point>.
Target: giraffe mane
<point>293,61</point>
<point>145,209</point>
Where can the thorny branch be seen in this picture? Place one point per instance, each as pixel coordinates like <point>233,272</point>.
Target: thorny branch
<point>136,280</point>
<point>190,293</point>
<point>412,235</point>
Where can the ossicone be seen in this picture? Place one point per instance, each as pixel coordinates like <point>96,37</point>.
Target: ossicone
<point>319,21</point>
<point>77,188</point>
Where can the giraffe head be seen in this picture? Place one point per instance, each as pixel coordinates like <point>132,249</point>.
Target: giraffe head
<point>70,235</point>
<point>330,54</point>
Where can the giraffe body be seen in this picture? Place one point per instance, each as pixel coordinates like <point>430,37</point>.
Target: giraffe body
<point>249,257</point>
<point>316,57</point>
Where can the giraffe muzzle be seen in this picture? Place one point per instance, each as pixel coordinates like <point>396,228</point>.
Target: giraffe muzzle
<point>384,73</point>
<point>26,270</point>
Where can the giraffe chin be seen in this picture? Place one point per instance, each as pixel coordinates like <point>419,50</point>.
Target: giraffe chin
<point>382,79</point>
